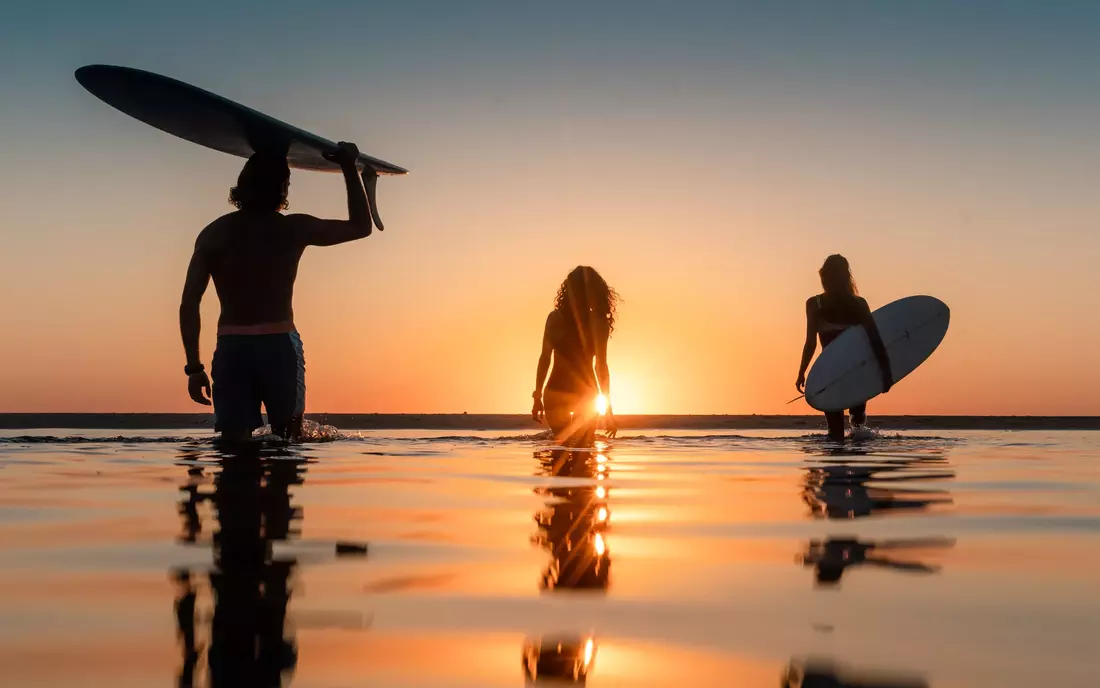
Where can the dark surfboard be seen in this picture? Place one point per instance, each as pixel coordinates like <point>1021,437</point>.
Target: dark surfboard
<point>210,120</point>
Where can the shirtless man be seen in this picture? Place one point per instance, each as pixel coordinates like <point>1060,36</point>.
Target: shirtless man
<point>252,255</point>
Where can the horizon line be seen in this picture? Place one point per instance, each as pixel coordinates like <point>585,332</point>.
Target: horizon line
<point>514,421</point>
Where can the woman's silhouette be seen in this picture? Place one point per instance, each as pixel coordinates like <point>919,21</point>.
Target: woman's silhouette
<point>829,314</point>
<point>576,335</point>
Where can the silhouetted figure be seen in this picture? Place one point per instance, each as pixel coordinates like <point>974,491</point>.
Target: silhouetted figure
<point>249,585</point>
<point>573,523</point>
<point>252,255</point>
<point>575,336</point>
<point>829,314</point>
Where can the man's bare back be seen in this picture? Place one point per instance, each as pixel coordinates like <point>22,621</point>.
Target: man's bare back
<point>252,255</point>
<point>253,260</point>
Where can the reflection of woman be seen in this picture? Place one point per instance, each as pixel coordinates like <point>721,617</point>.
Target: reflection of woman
<point>829,314</point>
<point>572,525</point>
<point>576,334</point>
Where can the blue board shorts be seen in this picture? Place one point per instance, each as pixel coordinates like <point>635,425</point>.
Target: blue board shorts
<point>250,370</point>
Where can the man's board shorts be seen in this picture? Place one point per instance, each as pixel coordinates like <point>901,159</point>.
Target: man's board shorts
<point>250,370</point>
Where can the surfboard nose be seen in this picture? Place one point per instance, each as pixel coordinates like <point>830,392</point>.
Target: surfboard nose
<point>205,118</point>
<point>93,76</point>
<point>104,80</point>
<point>87,72</point>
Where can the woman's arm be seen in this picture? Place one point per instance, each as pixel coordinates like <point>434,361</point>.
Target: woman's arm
<point>603,372</point>
<point>543,369</point>
<point>603,377</point>
<point>810,346</point>
<point>878,347</point>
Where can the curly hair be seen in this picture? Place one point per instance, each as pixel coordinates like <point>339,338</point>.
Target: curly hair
<point>237,199</point>
<point>584,291</point>
<point>262,183</point>
<point>836,276</point>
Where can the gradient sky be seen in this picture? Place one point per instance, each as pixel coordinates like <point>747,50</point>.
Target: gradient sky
<point>704,156</point>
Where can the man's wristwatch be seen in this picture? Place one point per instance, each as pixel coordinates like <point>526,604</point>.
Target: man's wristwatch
<point>190,370</point>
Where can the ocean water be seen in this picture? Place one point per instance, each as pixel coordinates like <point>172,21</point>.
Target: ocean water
<point>445,558</point>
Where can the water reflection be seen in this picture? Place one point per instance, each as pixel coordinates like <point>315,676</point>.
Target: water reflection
<point>572,527</point>
<point>832,557</point>
<point>558,658</point>
<point>248,585</point>
<point>851,483</point>
<point>825,673</point>
<point>573,524</point>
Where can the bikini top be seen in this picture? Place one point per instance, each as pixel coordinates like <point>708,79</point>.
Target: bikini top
<point>834,315</point>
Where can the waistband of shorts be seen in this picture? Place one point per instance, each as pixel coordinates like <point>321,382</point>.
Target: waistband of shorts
<point>284,327</point>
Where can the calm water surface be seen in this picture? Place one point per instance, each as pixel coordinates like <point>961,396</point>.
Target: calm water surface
<point>679,559</point>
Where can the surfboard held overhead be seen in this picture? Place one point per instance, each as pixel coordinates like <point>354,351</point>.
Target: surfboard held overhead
<point>210,120</point>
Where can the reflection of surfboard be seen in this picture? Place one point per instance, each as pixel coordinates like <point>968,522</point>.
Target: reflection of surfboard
<point>846,373</point>
<point>210,120</point>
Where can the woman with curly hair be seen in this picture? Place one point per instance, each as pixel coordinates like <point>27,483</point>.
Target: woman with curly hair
<point>576,337</point>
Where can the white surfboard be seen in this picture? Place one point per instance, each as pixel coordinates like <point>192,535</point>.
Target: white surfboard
<point>846,373</point>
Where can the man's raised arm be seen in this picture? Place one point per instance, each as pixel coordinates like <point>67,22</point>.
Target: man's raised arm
<point>314,231</point>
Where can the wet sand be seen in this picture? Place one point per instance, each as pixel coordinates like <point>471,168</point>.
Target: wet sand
<point>958,560</point>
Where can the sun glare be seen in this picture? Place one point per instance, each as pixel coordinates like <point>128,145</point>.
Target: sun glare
<point>601,405</point>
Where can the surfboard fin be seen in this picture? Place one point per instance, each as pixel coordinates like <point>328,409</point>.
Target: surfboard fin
<point>372,199</point>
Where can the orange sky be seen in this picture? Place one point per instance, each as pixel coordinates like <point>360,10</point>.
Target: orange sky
<point>706,177</point>
<point>443,312</point>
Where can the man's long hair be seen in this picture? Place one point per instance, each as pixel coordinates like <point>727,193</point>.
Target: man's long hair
<point>262,184</point>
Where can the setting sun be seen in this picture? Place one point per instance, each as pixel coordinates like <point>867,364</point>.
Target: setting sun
<point>601,404</point>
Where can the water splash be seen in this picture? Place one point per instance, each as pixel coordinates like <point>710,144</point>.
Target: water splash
<point>862,433</point>
<point>311,432</point>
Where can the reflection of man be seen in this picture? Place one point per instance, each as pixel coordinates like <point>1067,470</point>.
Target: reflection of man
<point>252,255</point>
<point>185,623</point>
<point>250,586</point>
